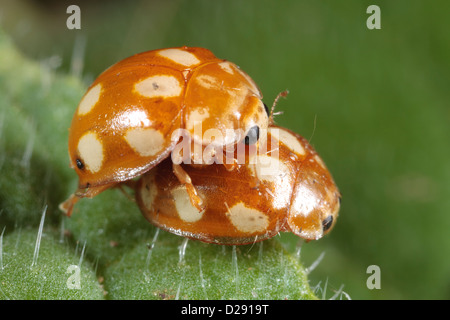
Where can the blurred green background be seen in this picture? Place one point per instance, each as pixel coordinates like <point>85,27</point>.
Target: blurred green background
<point>374,103</point>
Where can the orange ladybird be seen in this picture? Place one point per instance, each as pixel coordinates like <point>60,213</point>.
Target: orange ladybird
<point>286,187</point>
<point>126,122</point>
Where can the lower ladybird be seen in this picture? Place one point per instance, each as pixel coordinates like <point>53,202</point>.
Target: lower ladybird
<point>286,188</point>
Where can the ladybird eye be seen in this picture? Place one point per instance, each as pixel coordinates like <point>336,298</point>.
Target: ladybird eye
<point>80,164</point>
<point>252,136</point>
<point>327,222</point>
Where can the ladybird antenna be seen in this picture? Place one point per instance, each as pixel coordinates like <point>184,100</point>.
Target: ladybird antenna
<point>281,94</point>
<point>314,129</point>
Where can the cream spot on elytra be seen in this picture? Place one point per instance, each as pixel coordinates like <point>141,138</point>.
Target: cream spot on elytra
<point>272,170</point>
<point>320,161</point>
<point>196,117</point>
<point>184,207</point>
<point>247,219</point>
<point>208,82</point>
<point>227,67</point>
<point>90,149</point>
<point>89,100</point>
<point>290,141</point>
<point>145,141</point>
<point>179,56</point>
<point>159,86</point>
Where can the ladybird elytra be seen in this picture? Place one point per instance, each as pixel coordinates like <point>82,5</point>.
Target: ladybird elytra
<point>286,189</point>
<point>126,123</point>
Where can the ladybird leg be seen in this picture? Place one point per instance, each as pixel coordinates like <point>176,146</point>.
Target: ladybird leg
<point>184,178</point>
<point>130,184</point>
<point>67,206</point>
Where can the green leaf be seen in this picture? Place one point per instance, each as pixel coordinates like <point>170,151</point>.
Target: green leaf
<point>142,262</point>
<point>132,259</point>
<point>183,269</point>
<point>35,265</point>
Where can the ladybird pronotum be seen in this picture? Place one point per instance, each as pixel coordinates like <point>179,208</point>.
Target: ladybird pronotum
<point>126,122</point>
<point>287,188</point>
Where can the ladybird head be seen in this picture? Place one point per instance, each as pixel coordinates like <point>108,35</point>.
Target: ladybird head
<point>316,200</point>
<point>312,223</point>
<point>224,106</point>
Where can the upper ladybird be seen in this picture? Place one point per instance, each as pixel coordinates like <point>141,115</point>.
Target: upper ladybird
<point>126,123</point>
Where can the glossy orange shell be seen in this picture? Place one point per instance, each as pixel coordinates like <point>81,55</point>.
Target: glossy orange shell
<point>288,188</point>
<point>125,121</point>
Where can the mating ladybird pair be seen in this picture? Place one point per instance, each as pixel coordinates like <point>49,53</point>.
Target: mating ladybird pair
<point>130,124</point>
